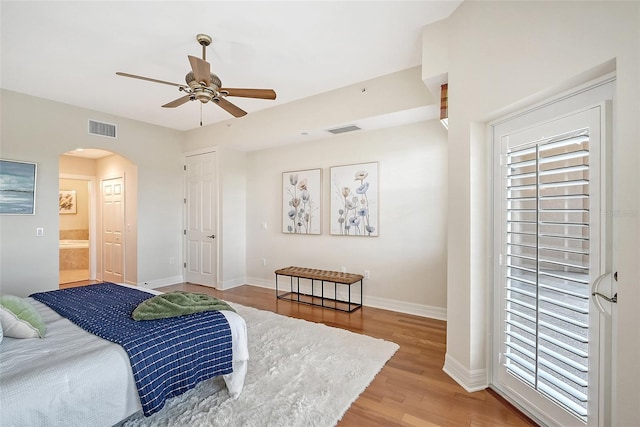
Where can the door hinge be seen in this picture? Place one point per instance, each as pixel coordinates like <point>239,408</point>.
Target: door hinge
<point>184,265</point>
<point>184,201</point>
<point>184,167</point>
<point>184,232</point>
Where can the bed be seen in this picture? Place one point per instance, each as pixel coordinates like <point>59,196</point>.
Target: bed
<point>72,377</point>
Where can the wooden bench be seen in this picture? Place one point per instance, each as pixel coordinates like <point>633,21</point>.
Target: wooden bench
<point>324,276</point>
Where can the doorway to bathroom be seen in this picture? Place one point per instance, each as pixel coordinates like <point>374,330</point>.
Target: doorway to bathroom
<point>87,214</point>
<point>75,214</point>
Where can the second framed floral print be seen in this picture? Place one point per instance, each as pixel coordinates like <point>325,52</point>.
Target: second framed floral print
<point>354,200</point>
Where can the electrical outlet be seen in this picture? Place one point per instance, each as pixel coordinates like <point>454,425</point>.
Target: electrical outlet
<point>343,269</point>
<point>367,275</point>
<point>264,262</point>
<point>172,260</point>
<point>39,232</point>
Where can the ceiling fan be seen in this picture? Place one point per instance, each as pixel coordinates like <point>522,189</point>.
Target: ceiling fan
<point>205,86</point>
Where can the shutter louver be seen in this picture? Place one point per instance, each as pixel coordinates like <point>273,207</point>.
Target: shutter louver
<point>547,267</point>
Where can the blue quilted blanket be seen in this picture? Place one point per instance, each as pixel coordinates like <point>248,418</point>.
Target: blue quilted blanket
<point>168,356</point>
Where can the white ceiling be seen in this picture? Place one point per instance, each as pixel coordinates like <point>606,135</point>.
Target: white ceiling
<point>70,51</point>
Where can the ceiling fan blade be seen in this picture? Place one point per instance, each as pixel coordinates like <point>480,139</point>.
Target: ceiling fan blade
<point>201,69</point>
<point>229,107</point>
<point>177,102</point>
<point>250,93</point>
<point>133,76</point>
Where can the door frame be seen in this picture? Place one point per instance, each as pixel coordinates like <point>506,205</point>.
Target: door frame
<point>198,152</point>
<point>570,102</point>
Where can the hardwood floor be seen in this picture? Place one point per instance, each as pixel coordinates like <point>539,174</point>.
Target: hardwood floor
<point>65,285</point>
<point>411,389</point>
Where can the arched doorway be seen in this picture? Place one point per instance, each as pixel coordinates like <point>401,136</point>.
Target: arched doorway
<point>98,217</point>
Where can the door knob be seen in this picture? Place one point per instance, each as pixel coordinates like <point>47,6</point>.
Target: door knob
<point>213,236</point>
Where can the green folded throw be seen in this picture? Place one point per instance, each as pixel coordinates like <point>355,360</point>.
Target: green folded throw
<point>177,303</point>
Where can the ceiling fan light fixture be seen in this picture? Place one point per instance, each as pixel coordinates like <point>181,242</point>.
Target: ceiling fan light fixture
<point>193,83</point>
<point>205,86</point>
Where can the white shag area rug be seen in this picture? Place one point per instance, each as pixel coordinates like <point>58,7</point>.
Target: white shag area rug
<point>300,374</point>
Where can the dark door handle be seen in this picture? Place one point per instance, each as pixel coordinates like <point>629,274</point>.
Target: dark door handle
<point>213,236</point>
<point>613,299</point>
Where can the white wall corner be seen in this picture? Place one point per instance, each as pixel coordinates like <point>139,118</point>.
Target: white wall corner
<point>470,380</point>
<point>158,283</point>
<point>232,283</point>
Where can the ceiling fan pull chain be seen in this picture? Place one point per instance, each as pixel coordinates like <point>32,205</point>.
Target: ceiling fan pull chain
<point>201,114</point>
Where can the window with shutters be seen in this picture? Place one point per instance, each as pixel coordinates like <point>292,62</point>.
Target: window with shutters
<point>552,247</point>
<point>547,267</point>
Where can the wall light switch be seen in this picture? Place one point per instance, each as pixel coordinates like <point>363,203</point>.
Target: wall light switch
<point>39,232</point>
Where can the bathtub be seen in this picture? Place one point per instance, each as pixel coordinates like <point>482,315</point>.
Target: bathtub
<point>74,244</point>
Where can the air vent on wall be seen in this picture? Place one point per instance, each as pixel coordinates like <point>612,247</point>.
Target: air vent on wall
<point>349,128</point>
<point>102,129</point>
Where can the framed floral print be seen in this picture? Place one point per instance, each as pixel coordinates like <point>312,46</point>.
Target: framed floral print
<point>302,202</point>
<point>354,200</point>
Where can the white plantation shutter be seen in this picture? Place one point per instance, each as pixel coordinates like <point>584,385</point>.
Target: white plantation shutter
<point>547,267</point>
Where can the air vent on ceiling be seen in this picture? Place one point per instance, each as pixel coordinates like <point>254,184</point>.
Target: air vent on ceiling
<point>349,128</point>
<point>102,129</point>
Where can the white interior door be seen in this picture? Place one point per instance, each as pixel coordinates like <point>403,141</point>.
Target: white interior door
<point>113,242</point>
<point>201,219</point>
<point>553,244</point>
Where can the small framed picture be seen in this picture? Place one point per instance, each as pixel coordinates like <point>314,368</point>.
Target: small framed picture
<point>67,202</point>
<point>17,188</point>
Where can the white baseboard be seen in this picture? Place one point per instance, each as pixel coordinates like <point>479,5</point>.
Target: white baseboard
<point>222,286</point>
<point>406,307</point>
<point>470,380</point>
<point>261,283</point>
<point>229,284</point>
<point>152,284</point>
<point>375,302</point>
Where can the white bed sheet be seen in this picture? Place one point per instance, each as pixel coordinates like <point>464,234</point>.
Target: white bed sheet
<point>74,378</point>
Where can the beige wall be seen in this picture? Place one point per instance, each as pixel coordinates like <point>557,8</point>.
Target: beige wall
<point>409,253</point>
<point>500,57</point>
<point>72,165</point>
<point>28,263</point>
<point>407,262</point>
<point>232,267</point>
<point>283,125</point>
